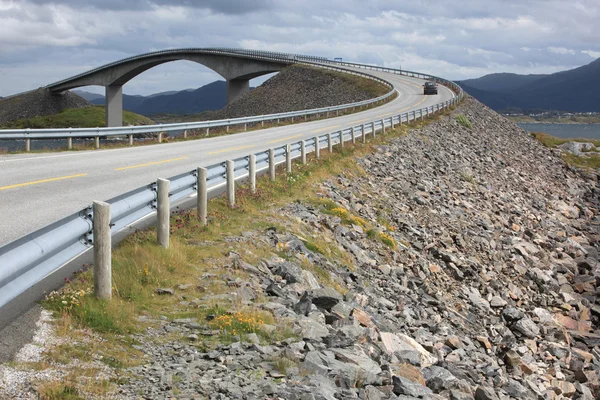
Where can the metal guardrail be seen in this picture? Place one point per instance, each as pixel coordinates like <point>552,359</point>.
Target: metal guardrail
<point>26,261</point>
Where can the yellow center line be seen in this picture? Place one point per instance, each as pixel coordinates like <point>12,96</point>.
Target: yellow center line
<point>41,181</point>
<point>150,163</point>
<point>283,139</point>
<point>382,115</point>
<point>231,149</point>
<point>362,120</point>
<point>414,105</point>
<point>326,128</point>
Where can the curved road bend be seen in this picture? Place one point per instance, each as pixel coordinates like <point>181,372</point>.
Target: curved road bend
<point>38,189</point>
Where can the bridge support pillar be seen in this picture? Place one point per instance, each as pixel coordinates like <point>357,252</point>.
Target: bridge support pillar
<point>114,106</point>
<point>237,88</point>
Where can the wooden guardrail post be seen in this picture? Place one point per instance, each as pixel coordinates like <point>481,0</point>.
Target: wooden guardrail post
<point>102,251</point>
<point>353,134</point>
<point>185,133</point>
<point>97,142</point>
<point>288,158</point>
<point>272,164</point>
<point>27,145</point>
<point>342,139</point>
<point>230,183</point>
<point>364,133</point>
<point>373,129</point>
<point>330,142</point>
<point>317,148</point>
<point>303,152</point>
<point>383,125</point>
<point>252,172</point>
<point>130,140</point>
<point>392,121</point>
<point>69,143</point>
<point>202,199</point>
<point>163,212</point>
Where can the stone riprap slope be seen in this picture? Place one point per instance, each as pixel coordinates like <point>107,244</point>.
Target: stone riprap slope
<point>491,293</point>
<point>38,103</point>
<point>300,88</point>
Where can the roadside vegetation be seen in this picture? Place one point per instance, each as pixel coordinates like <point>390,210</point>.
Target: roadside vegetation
<point>550,119</point>
<point>590,160</point>
<point>200,267</point>
<point>88,117</point>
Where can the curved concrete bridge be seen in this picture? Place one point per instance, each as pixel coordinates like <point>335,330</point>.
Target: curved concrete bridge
<point>236,67</point>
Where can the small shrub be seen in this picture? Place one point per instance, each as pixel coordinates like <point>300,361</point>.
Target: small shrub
<point>387,240</point>
<point>464,121</point>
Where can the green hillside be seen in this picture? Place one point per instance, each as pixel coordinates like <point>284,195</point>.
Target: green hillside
<point>88,117</point>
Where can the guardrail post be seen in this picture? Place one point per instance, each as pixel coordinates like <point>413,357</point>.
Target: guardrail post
<point>400,118</point>
<point>160,137</point>
<point>353,134</point>
<point>421,114</point>
<point>373,126</point>
<point>330,142</point>
<point>69,143</point>
<point>163,213</point>
<point>130,140</point>
<point>207,131</point>
<point>28,145</point>
<point>97,142</point>
<point>245,127</point>
<point>202,199</point>
<point>342,139</point>
<point>317,148</point>
<point>272,164</point>
<point>252,172</point>
<point>392,121</point>
<point>185,134</point>
<point>383,126</point>
<point>102,251</point>
<point>288,158</point>
<point>303,152</point>
<point>230,183</point>
<point>364,133</point>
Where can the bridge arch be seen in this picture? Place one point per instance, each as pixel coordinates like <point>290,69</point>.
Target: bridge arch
<point>237,69</point>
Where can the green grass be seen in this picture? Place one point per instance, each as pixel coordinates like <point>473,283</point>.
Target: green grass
<point>88,117</point>
<point>553,141</point>
<point>548,119</point>
<point>464,121</point>
<point>587,161</point>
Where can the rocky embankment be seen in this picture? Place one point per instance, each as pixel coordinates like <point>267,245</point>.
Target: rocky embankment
<point>492,292</point>
<point>38,103</point>
<point>300,88</point>
<point>470,271</point>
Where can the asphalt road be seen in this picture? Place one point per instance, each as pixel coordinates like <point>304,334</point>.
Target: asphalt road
<point>38,189</point>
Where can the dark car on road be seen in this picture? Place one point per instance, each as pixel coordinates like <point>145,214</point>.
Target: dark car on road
<point>430,88</point>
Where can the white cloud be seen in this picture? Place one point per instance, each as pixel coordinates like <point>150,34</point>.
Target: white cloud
<point>593,54</point>
<point>560,50</point>
<point>42,41</point>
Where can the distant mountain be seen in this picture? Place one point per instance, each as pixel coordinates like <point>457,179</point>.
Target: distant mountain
<point>190,101</point>
<point>502,82</point>
<point>576,90</point>
<point>87,95</point>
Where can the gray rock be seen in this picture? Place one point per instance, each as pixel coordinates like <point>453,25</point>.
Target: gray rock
<point>485,393</point>
<point>527,327</point>
<point>438,378</point>
<point>409,388</point>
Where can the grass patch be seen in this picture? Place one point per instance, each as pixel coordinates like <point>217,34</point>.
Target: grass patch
<point>553,141</point>
<point>587,161</point>
<point>87,117</point>
<point>58,391</point>
<point>464,121</point>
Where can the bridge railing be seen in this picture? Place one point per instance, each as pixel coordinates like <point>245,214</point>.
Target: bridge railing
<point>26,261</point>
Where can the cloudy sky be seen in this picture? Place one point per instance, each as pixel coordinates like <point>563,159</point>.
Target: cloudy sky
<point>42,41</point>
